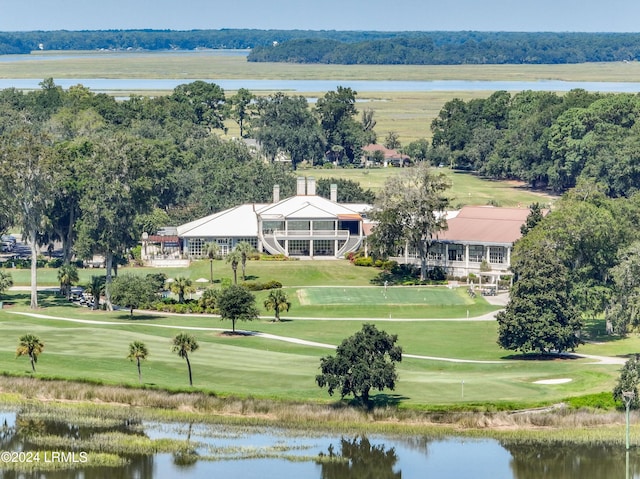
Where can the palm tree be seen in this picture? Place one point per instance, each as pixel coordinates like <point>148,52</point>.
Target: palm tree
<point>181,286</point>
<point>139,352</point>
<point>278,301</point>
<point>183,344</point>
<point>234,257</point>
<point>245,249</point>
<point>211,250</point>
<point>67,275</point>
<point>96,289</point>
<point>30,345</point>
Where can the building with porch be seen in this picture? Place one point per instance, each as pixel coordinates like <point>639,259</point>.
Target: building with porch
<point>305,225</point>
<point>476,234</point>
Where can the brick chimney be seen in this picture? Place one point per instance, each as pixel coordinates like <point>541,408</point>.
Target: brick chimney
<point>334,193</point>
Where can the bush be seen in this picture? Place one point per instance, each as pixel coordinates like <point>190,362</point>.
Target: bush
<point>55,263</point>
<point>366,261</point>
<point>254,286</point>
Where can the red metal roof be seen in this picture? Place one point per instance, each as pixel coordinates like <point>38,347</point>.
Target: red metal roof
<point>485,224</point>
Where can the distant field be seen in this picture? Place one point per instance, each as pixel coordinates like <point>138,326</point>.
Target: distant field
<point>205,65</point>
<point>466,188</point>
<point>409,114</point>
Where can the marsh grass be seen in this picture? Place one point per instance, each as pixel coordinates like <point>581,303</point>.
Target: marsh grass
<point>579,426</point>
<point>93,459</point>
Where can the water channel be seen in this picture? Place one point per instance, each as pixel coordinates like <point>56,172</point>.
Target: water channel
<point>100,85</point>
<point>222,451</point>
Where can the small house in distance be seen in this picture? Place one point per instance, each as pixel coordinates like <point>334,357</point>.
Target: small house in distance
<point>378,155</point>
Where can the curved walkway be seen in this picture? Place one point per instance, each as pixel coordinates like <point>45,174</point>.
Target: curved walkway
<point>274,337</point>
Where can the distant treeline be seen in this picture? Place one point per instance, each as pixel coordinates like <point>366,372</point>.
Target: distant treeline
<point>545,139</point>
<point>456,48</point>
<point>349,47</point>
<point>25,42</point>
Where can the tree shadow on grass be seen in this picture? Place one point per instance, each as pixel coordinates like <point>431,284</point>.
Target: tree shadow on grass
<point>237,334</point>
<point>383,400</point>
<point>541,357</point>
<point>595,331</point>
<point>139,317</point>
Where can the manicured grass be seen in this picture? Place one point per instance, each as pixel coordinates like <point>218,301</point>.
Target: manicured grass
<point>268,368</point>
<point>466,188</point>
<point>289,273</point>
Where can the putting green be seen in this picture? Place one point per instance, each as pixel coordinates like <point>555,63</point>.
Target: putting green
<point>432,296</point>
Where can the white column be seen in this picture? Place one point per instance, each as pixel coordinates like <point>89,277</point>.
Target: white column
<point>466,260</point>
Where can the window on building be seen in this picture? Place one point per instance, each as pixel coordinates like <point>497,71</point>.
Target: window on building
<point>496,254</point>
<point>298,225</point>
<point>323,248</point>
<point>196,247</point>
<point>324,225</point>
<point>299,248</point>
<point>476,253</point>
<point>436,252</point>
<point>252,241</point>
<point>268,227</point>
<point>456,252</point>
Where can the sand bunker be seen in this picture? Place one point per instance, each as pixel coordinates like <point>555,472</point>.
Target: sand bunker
<point>553,381</point>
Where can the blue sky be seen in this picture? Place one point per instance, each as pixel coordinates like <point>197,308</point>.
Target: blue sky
<point>494,15</point>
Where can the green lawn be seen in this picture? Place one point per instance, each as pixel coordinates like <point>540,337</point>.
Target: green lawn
<point>270,368</point>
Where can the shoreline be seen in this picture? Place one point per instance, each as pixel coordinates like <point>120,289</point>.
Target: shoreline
<point>531,424</point>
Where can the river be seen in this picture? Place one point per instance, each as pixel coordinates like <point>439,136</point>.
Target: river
<point>223,451</point>
<point>110,85</point>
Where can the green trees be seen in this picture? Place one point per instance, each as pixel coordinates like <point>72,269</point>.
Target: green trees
<point>345,135</point>
<point>182,286</point>
<point>241,109</point>
<point>237,303</point>
<point>25,162</point>
<point>30,345</point>
<point>285,124</point>
<point>234,258</point>
<point>540,315</point>
<point>245,249</point>
<point>277,301</point>
<point>138,352</point>
<point>132,291</point>
<point>183,345</point>
<point>211,251</point>
<point>624,310</point>
<point>628,380</point>
<point>363,362</point>
<point>67,276</point>
<point>410,212</point>
<point>6,281</point>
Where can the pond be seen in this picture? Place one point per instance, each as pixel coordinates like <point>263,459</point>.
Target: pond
<point>223,451</point>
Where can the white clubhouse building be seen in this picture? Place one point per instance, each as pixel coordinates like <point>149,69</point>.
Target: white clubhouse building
<point>305,225</point>
<point>309,226</point>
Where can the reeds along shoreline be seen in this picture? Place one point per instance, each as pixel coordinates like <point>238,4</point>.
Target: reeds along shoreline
<point>106,401</point>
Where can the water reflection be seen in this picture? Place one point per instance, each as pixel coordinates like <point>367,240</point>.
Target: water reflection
<point>564,461</point>
<point>214,450</point>
<point>359,459</point>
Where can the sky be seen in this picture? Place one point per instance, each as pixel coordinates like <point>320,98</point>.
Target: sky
<point>387,15</point>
